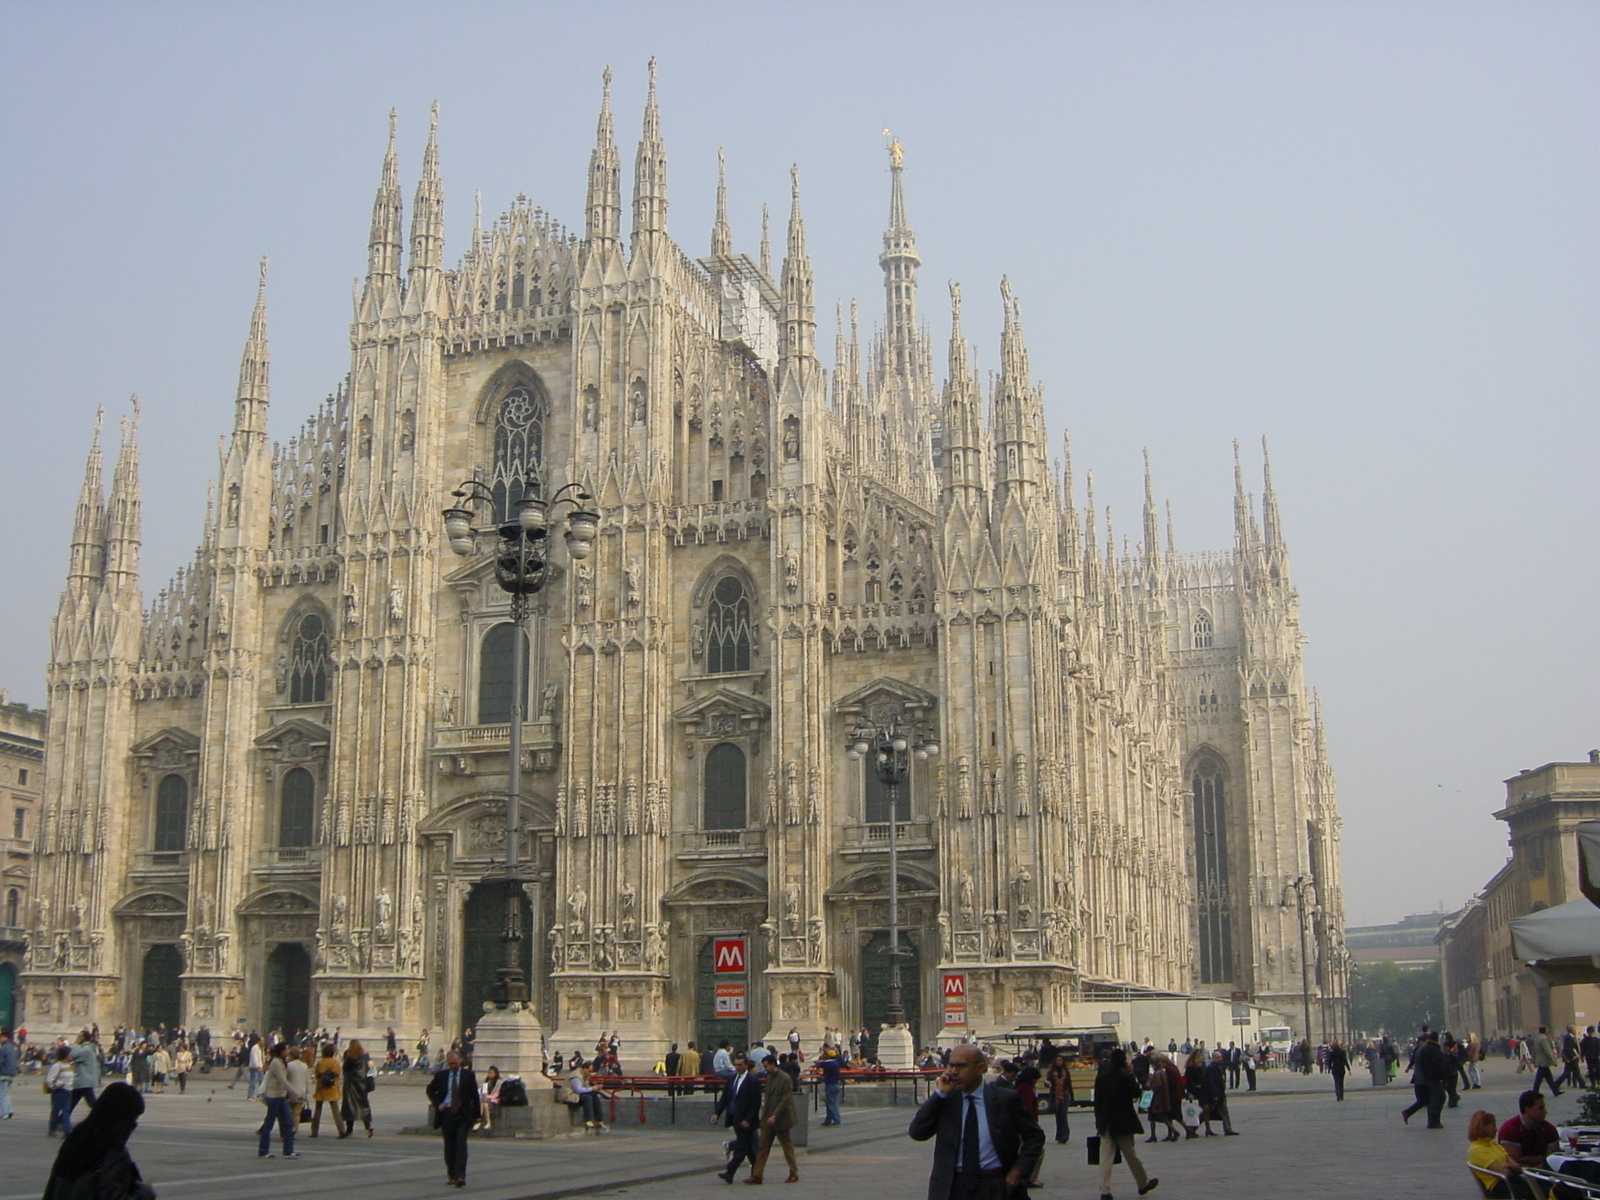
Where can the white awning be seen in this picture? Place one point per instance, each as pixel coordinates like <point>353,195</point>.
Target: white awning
<point>1589,859</point>
<point>1561,943</point>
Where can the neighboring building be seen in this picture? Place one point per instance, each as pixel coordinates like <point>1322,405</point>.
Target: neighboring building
<point>1408,942</point>
<point>1481,974</point>
<point>277,787</point>
<point>22,733</point>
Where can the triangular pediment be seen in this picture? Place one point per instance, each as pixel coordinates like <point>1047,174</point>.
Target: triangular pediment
<point>723,702</point>
<point>180,739</point>
<point>295,729</point>
<point>885,690</point>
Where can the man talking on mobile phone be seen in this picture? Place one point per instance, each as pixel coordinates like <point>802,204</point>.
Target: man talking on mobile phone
<point>985,1143</point>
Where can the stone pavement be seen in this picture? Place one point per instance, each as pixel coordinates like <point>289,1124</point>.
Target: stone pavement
<point>1297,1142</point>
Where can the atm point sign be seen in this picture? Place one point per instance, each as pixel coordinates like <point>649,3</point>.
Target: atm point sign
<point>728,956</point>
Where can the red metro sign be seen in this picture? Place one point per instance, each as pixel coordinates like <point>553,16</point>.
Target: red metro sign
<point>728,956</point>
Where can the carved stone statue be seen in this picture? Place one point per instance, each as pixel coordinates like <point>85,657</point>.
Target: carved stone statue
<point>632,581</point>
<point>383,908</point>
<point>341,910</point>
<point>548,700</point>
<point>814,942</point>
<point>397,612</point>
<point>578,912</point>
<point>558,948</point>
<point>964,891</point>
<point>350,614</point>
<point>447,707</point>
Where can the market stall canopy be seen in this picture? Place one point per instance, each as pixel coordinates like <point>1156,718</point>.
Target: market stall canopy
<point>1561,944</point>
<point>1589,859</point>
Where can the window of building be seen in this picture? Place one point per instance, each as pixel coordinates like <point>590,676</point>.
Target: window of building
<point>1212,909</point>
<point>22,776</point>
<point>172,813</point>
<point>19,823</point>
<point>876,795</point>
<point>494,675</point>
<point>518,449</point>
<point>297,809</point>
<point>728,627</point>
<point>13,903</point>
<point>725,788</point>
<point>308,661</point>
<point>1202,631</point>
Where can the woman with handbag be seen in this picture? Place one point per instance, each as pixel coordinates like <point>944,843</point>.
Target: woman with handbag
<point>489,1092</point>
<point>356,1085</point>
<point>325,1076</point>
<point>1163,1104</point>
<point>93,1161</point>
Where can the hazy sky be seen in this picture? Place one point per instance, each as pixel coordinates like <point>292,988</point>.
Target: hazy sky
<point>1369,232</point>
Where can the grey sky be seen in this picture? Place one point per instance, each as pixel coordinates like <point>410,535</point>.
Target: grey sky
<point>1367,231</point>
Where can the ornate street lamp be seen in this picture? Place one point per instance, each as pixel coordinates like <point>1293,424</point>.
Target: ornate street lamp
<point>521,568</point>
<point>891,750</point>
<point>1300,885</point>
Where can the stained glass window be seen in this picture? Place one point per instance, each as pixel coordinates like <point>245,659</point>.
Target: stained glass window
<point>308,662</point>
<point>1213,909</point>
<point>518,449</point>
<point>728,628</point>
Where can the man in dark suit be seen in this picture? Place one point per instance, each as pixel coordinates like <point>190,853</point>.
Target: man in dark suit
<point>670,1063</point>
<point>454,1094</point>
<point>986,1143</point>
<point>739,1108</point>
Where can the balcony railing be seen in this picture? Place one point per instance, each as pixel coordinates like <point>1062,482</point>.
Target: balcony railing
<point>292,856</point>
<point>721,843</point>
<point>162,860</point>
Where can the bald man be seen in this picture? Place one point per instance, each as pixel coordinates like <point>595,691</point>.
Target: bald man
<point>985,1141</point>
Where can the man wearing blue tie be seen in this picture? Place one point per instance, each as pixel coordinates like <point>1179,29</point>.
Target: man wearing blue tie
<point>987,1143</point>
<point>454,1094</point>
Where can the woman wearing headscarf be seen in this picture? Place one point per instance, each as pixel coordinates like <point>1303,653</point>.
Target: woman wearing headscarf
<point>356,1107</point>
<point>93,1162</point>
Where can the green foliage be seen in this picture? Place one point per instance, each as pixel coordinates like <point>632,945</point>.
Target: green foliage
<point>1388,998</point>
<point>1588,1107</point>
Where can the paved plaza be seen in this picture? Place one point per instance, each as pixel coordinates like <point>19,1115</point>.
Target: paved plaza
<point>1297,1142</point>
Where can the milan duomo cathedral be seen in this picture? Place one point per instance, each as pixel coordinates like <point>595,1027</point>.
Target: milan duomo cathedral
<point>276,787</point>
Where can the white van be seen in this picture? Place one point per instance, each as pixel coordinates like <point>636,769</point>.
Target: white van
<point>1278,1038</point>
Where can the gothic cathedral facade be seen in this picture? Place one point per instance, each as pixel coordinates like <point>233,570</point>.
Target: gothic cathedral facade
<point>275,791</point>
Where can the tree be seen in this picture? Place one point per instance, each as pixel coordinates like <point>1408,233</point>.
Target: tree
<point>1388,998</point>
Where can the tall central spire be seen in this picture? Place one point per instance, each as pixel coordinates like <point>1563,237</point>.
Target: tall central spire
<point>721,234</point>
<point>899,261</point>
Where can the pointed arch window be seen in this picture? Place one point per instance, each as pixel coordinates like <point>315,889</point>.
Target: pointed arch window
<point>518,448</point>
<point>1213,910</point>
<point>725,788</point>
<point>308,661</point>
<point>172,813</point>
<point>297,808</point>
<point>1202,631</point>
<point>728,627</point>
<point>494,675</point>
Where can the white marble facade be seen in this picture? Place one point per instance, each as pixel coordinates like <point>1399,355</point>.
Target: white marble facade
<point>274,786</point>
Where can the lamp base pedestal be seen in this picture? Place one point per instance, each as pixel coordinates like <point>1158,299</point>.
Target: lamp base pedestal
<point>896,1050</point>
<point>508,1038</point>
